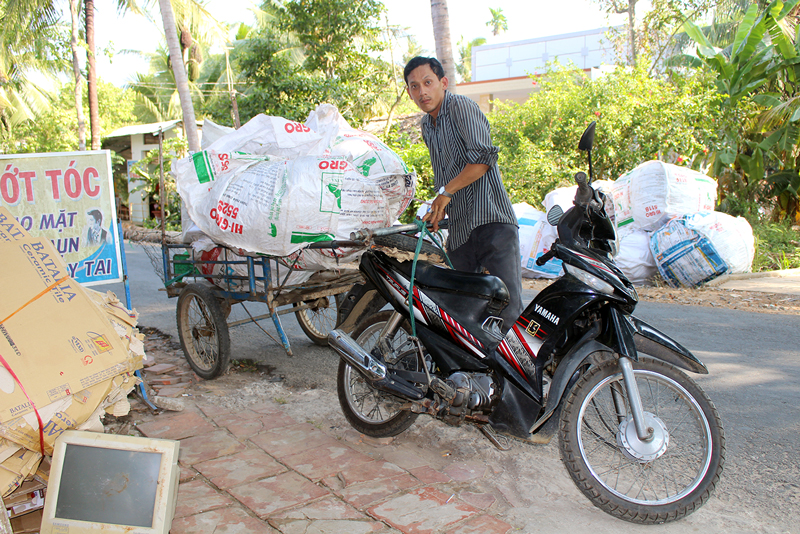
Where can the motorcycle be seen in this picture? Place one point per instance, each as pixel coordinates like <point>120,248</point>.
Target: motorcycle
<point>637,435</point>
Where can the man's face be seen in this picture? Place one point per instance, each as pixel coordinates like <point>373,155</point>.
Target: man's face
<point>426,89</point>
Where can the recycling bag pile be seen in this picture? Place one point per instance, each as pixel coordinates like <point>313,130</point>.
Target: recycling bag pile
<point>274,186</point>
<point>666,224</point>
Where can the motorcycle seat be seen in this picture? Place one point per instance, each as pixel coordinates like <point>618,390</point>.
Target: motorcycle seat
<point>430,275</point>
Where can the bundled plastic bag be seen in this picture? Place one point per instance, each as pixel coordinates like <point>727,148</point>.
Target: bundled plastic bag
<point>732,238</point>
<point>684,256</point>
<point>635,258</point>
<point>650,194</point>
<point>274,185</point>
<point>535,238</point>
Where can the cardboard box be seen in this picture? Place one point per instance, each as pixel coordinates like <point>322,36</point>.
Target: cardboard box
<point>10,229</point>
<point>80,348</point>
<point>28,523</point>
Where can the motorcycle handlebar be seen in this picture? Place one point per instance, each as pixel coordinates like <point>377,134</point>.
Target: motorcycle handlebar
<point>365,233</point>
<point>544,258</point>
<point>584,193</point>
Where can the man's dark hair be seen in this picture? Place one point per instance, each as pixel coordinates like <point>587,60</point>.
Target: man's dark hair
<point>419,61</point>
<point>97,214</point>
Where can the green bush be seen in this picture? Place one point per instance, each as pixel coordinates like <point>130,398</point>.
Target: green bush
<point>639,118</point>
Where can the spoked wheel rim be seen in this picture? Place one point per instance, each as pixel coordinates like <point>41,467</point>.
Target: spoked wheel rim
<point>205,342</point>
<point>367,403</point>
<point>647,473</point>
<point>319,319</point>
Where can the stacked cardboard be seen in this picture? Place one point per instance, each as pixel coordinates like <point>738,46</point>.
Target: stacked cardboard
<point>68,354</point>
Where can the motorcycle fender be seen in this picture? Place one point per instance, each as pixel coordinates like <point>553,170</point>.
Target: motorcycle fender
<point>362,301</point>
<point>571,362</point>
<point>654,343</point>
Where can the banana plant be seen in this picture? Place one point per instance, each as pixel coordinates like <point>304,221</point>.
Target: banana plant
<point>757,76</point>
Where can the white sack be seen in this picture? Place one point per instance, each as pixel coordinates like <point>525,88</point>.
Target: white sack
<point>243,193</point>
<point>535,238</point>
<point>635,258</point>
<point>213,131</point>
<point>732,237</point>
<point>278,207</point>
<point>658,191</point>
<point>274,136</point>
<point>685,257</point>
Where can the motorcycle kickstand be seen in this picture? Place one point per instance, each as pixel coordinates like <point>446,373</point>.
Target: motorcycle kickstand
<point>503,443</point>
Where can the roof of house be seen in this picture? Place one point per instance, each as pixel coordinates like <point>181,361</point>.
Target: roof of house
<point>152,128</point>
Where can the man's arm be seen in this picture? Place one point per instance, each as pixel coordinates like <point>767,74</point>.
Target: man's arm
<point>469,174</point>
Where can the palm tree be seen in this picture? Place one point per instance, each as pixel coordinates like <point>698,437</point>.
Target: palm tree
<point>441,33</point>
<point>464,67</point>
<point>155,93</point>
<point>91,71</point>
<point>74,12</point>
<point>28,46</point>
<point>181,79</point>
<point>498,22</point>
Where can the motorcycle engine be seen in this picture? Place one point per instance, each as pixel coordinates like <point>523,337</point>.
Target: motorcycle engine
<point>476,391</point>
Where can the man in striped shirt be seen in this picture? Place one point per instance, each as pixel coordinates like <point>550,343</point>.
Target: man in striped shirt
<point>483,232</point>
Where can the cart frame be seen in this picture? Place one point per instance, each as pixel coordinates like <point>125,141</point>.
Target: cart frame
<point>183,273</point>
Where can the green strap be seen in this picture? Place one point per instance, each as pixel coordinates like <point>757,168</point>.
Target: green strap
<point>423,231</point>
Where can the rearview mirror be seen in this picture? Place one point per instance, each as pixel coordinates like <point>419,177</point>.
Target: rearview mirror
<point>587,139</point>
<point>554,215</point>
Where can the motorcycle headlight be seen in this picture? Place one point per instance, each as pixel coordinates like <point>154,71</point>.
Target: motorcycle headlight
<point>589,279</point>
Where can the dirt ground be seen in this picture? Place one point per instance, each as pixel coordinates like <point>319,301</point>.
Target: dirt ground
<point>713,297</point>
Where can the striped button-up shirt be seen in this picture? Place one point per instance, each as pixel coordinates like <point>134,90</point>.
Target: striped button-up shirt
<point>458,136</point>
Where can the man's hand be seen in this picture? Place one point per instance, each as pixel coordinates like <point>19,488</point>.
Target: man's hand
<point>436,213</point>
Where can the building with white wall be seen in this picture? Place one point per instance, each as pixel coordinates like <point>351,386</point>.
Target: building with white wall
<point>503,71</point>
<point>133,143</point>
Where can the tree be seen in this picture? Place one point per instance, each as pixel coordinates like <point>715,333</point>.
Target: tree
<point>94,107</point>
<point>155,92</point>
<point>639,118</point>
<point>30,50</point>
<point>757,77</point>
<point>181,79</point>
<point>464,66</point>
<point>498,23</point>
<point>659,25</point>
<point>337,36</point>
<point>74,12</point>
<point>55,130</point>
<point>441,33</point>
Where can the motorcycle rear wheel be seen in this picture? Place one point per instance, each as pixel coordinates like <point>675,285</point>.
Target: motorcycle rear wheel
<point>372,412</point>
<point>652,482</point>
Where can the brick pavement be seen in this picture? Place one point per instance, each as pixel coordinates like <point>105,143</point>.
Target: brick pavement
<point>259,470</point>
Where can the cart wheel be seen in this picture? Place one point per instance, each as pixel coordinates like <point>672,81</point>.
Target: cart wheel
<point>318,321</point>
<point>203,331</point>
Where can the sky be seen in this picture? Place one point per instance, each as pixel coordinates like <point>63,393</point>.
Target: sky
<point>527,19</point>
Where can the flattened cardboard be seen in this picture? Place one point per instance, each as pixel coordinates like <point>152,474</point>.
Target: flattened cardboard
<point>10,229</point>
<point>58,344</point>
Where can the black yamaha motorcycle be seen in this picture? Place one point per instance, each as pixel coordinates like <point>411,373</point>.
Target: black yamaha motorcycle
<point>639,437</point>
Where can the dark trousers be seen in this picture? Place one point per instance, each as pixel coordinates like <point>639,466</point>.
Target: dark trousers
<point>495,247</point>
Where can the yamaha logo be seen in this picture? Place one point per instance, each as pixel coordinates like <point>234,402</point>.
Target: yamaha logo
<point>546,314</point>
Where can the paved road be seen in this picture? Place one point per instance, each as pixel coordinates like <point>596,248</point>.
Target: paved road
<point>754,376</point>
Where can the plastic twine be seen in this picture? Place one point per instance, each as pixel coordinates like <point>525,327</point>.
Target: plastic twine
<point>423,231</point>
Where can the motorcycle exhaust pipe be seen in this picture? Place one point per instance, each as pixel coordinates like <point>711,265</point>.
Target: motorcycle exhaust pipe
<point>373,371</point>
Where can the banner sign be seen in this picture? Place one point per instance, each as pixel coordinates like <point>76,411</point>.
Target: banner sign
<point>67,197</point>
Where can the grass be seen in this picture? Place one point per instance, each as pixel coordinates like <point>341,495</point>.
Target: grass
<point>777,246</point>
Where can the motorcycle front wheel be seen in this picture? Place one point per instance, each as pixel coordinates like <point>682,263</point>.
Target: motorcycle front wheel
<point>658,480</point>
<point>372,412</point>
